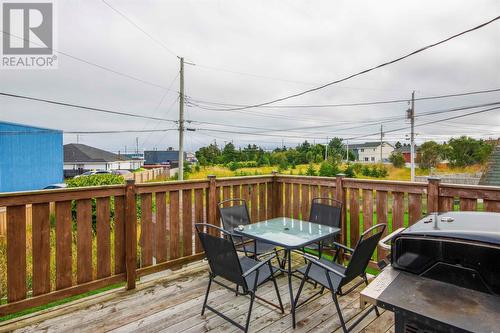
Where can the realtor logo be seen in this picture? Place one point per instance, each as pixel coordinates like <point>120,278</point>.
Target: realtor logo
<point>28,35</point>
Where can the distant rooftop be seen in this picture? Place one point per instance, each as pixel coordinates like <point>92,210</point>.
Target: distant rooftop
<point>77,152</point>
<point>367,145</point>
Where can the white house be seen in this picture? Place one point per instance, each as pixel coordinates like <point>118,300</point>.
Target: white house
<point>79,158</point>
<point>369,152</point>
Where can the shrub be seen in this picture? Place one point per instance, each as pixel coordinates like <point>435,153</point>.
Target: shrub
<point>95,180</point>
<point>349,171</point>
<point>397,159</point>
<point>310,170</point>
<point>328,169</point>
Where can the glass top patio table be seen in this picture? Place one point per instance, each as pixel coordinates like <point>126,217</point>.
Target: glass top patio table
<point>287,232</point>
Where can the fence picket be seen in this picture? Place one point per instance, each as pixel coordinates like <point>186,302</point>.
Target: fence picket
<point>63,245</point>
<point>174,225</point>
<point>41,248</point>
<point>161,227</point>
<point>103,238</point>
<point>16,253</point>
<point>146,229</point>
<point>187,224</point>
<point>84,240</point>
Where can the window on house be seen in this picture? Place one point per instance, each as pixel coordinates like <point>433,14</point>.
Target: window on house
<point>362,150</point>
<point>366,159</point>
<point>373,159</point>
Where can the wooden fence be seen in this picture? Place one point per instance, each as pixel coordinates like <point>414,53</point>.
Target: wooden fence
<point>149,175</point>
<point>96,237</point>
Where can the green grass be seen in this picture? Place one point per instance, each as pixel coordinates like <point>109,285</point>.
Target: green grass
<point>60,302</point>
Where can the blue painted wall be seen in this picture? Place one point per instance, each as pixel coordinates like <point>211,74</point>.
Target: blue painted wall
<point>30,157</point>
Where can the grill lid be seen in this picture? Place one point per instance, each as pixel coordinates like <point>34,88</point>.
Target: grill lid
<point>474,226</point>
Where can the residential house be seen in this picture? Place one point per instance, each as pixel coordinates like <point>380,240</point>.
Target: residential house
<point>369,152</point>
<point>405,149</point>
<point>30,157</point>
<point>79,158</point>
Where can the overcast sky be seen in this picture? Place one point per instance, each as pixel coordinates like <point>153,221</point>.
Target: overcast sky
<point>287,46</point>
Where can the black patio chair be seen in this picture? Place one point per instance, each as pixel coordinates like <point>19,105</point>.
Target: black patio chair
<point>333,276</point>
<point>245,272</point>
<point>235,215</point>
<point>325,211</point>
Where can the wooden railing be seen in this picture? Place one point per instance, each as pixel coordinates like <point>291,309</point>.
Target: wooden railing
<point>89,238</point>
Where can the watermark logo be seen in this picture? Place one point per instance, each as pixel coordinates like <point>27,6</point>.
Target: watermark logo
<point>28,35</point>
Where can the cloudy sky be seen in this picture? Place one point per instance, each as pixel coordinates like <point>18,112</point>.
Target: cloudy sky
<point>247,52</point>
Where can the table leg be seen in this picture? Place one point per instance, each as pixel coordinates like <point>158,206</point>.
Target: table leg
<point>290,287</point>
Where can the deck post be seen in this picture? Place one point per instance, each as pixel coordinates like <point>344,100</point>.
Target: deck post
<point>433,194</point>
<point>340,196</point>
<point>130,233</point>
<point>212,201</point>
<point>275,201</point>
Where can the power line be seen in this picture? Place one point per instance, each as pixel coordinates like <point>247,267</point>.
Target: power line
<point>88,108</point>
<point>392,101</point>
<point>369,69</point>
<point>120,131</point>
<point>129,20</point>
<point>428,123</point>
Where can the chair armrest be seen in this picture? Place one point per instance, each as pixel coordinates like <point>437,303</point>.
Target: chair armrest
<point>315,261</point>
<point>258,266</point>
<point>343,247</point>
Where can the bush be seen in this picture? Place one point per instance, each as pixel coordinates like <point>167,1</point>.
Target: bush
<point>310,170</point>
<point>349,171</point>
<point>95,180</point>
<point>397,159</point>
<point>233,166</point>
<point>328,169</point>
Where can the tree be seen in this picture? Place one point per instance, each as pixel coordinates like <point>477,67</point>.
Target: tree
<point>397,159</point>
<point>468,151</point>
<point>430,154</point>
<point>209,155</point>
<point>328,169</point>
<point>310,170</point>
<point>229,153</point>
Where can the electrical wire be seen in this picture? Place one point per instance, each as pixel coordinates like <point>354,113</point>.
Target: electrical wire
<point>129,20</point>
<point>370,69</point>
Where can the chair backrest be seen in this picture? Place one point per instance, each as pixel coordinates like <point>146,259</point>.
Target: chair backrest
<point>221,253</point>
<point>326,211</point>
<point>235,215</point>
<point>363,252</point>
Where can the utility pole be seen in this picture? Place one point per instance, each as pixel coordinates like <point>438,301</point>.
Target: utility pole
<point>411,116</point>
<point>137,145</point>
<point>326,149</point>
<point>347,151</point>
<point>181,121</point>
<point>381,141</point>
<point>78,138</point>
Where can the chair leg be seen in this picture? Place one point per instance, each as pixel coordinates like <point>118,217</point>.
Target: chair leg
<point>339,312</point>
<point>296,301</point>
<point>252,298</point>
<point>277,291</point>
<point>206,295</point>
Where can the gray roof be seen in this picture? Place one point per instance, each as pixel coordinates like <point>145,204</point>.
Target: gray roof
<point>74,152</point>
<point>367,145</point>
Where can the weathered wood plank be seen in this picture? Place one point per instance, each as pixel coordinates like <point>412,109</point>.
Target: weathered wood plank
<point>354,215</point>
<point>262,201</point>
<point>16,253</point>
<point>84,241</point>
<point>367,209</point>
<point>187,224</point>
<point>492,206</point>
<point>468,204</point>
<point>146,229</point>
<point>198,215</point>
<point>414,208</point>
<point>254,205</point>
<point>63,245</point>
<point>325,192</point>
<point>381,202</point>
<point>41,248</point>
<point>103,238</point>
<point>288,200</point>
<point>305,202</point>
<point>398,210</point>
<point>174,225</point>
<point>119,229</point>
<point>445,204</point>
<point>296,201</point>
<point>226,195</point>
<point>161,227</point>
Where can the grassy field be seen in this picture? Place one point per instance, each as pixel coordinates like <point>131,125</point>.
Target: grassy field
<point>394,173</point>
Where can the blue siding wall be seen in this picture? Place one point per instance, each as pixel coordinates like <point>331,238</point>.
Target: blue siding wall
<point>30,158</point>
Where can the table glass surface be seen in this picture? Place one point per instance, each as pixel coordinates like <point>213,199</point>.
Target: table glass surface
<point>287,232</point>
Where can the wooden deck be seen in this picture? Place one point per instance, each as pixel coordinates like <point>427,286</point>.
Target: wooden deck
<point>174,305</point>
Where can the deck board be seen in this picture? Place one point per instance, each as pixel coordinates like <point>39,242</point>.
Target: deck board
<point>175,306</point>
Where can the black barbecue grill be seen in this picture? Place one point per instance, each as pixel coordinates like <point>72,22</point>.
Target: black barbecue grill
<point>444,274</point>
